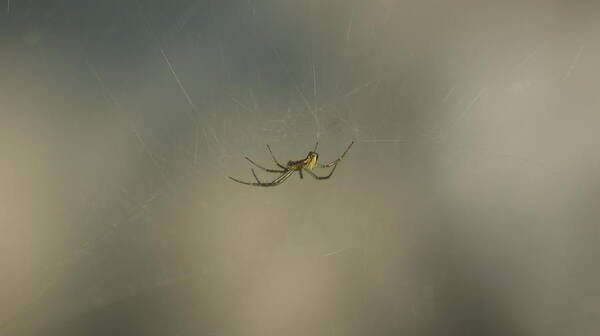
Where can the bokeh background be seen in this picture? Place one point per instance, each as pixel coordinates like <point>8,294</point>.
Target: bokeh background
<point>468,204</point>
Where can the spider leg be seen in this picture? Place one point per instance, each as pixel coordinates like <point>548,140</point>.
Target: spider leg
<point>256,177</point>
<point>289,173</point>
<point>335,162</point>
<point>240,181</point>
<point>265,169</point>
<point>300,172</point>
<point>321,177</point>
<point>274,159</point>
<point>273,183</point>
<point>276,181</point>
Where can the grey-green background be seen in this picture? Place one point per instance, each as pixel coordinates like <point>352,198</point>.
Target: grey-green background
<point>467,206</point>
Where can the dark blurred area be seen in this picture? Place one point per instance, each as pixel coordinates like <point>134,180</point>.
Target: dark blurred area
<point>468,204</point>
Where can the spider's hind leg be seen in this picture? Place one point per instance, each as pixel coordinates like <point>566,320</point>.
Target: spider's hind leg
<point>256,177</point>
<point>266,169</point>
<point>274,159</point>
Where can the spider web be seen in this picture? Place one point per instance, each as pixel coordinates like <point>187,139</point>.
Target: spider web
<point>466,169</point>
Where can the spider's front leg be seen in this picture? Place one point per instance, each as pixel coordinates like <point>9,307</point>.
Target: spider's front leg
<point>321,177</point>
<point>336,161</point>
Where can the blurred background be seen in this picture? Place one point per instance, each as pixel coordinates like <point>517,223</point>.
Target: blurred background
<point>468,204</point>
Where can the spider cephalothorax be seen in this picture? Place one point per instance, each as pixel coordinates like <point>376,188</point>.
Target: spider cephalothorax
<point>304,165</point>
<point>311,160</point>
<point>308,163</point>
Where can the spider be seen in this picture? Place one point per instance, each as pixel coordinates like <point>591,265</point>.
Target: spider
<point>304,165</point>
